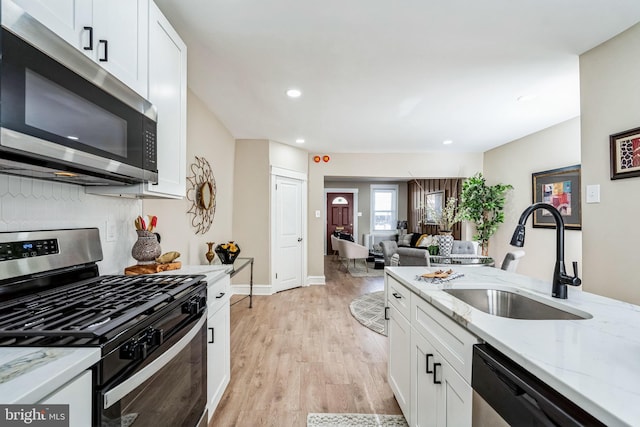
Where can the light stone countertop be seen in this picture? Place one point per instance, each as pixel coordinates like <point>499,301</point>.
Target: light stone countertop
<point>212,272</point>
<point>593,362</point>
<point>29,374</point>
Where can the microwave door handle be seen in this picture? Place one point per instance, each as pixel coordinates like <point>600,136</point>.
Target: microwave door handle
<point>121,390</point>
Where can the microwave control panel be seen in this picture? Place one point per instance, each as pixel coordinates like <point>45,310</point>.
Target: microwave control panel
<point>28,249</point>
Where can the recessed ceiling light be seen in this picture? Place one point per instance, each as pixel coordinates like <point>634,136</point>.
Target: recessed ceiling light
<point>75,138</point>
<point>294,93</point>
<point>300,141</point>
<point>447,142</point>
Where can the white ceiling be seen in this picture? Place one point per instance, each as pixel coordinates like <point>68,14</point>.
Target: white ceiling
<point>392,75</point>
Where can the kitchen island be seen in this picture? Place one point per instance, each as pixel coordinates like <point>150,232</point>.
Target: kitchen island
<point>593,362</point>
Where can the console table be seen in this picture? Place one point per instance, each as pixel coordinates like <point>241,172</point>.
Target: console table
<point>235,268</point>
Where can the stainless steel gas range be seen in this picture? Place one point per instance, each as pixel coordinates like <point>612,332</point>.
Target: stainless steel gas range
<point>151,330</point>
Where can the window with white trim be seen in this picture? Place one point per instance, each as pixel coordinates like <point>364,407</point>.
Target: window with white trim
<point>384,207</point>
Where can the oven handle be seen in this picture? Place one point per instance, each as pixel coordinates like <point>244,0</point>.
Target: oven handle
<point>118,392</point>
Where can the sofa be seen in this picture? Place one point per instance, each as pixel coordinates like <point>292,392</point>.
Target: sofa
<point>419,254</point>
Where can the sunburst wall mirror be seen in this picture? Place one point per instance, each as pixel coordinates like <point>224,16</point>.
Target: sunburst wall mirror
<point>201,192</point>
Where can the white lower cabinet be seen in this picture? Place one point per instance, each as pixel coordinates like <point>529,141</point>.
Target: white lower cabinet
<point>77,394</point>
<point>439,396</point>
<point>429,360</point>
<point>218,341</point>
<point>399,373</point>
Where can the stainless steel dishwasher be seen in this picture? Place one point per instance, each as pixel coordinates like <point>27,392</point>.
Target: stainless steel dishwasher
<point>517,396</point>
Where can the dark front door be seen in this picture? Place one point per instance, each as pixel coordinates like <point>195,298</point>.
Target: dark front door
<point>339,214</point>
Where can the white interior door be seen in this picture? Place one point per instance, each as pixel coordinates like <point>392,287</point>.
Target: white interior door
<point>288,234</point>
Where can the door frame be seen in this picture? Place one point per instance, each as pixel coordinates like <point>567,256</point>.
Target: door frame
<point>353,191</point>
<point>302,177</point>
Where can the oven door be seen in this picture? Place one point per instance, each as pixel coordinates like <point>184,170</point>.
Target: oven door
<point>169,389</point>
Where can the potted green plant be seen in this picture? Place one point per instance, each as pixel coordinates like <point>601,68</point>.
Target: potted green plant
<point>483,205</point>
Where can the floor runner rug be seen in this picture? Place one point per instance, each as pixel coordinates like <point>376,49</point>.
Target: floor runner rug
<point>355,420</point>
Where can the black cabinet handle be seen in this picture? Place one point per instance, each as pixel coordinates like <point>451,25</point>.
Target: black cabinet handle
<point>220,296</point>
<point>213,334</point>
<point>397,295</point>
<point>105,57</point>
<point>90,47</point>
<point>427,357</point>
<point>386,313</point>
<point>435,372</point>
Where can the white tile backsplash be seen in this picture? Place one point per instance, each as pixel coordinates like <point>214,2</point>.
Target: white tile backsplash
<point>31,204</point>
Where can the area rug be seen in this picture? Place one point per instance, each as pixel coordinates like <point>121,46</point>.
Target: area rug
<point>355,420</point>
<point>368,309</point>
<point>360,271</point>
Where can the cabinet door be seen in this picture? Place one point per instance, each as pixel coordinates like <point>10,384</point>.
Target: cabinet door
<point>168,92</point>
<point>66,18</point>
<point>454,397</point>
<point>424,391</point>
<point>121,34</point>
<point>76,394</point>
<point>218,356</point>
<point>400,359</point>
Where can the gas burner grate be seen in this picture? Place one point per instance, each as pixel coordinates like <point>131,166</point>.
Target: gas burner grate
<point>92,308</point>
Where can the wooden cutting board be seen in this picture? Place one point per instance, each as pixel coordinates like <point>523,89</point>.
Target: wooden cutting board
<point>152,268</point>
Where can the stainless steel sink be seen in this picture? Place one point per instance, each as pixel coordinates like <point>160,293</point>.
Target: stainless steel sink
<point>512,305</point>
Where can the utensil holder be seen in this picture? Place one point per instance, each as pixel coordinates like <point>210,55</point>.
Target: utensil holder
<point>147,248</point>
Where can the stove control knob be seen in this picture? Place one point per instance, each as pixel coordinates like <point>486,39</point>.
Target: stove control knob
<point>194,306</point>
<point>134,350</point>
<point>154,336</point>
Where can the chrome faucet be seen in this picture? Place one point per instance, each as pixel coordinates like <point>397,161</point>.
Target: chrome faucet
<point>560,277</point>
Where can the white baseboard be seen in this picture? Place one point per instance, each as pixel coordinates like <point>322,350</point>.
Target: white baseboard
<point>257,289</point>
<point>243,289</point>
<point>315,280</point>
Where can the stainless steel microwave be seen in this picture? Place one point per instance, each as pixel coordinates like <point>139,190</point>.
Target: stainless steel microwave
<point>63,117</point>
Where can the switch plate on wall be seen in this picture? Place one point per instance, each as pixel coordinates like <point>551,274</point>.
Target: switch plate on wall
<point>111,231</point>
<point>317,214</point>
<point>593,193</point>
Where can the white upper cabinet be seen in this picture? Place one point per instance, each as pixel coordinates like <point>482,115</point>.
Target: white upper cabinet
<point>168,92</point>
<point>67,18</point>
<point>121,31</point>
<point>114,33</point>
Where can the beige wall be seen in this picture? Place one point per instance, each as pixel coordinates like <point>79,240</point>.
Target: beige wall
<point>609,88</point>
<point>252,227</point>
<point>251,204</point>
<point>208,138</point>
<point>396,166</point>
<point>513,163</point>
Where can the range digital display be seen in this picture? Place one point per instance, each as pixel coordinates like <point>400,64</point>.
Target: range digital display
<point>28,249</point>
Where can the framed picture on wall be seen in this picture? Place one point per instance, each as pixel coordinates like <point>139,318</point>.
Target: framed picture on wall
<point>433,202</point>
<point>561,189</point>
<point>625,154</point>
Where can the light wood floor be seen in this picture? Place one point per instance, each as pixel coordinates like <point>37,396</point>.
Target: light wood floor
<point>301,351</point>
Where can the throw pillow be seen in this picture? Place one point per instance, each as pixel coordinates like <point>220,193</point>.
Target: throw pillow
<point>414,239</point>
<point>405,239</point>
<point>426,241</point>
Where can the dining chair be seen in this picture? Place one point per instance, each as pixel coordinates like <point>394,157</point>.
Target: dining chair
<point>353,251</point>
